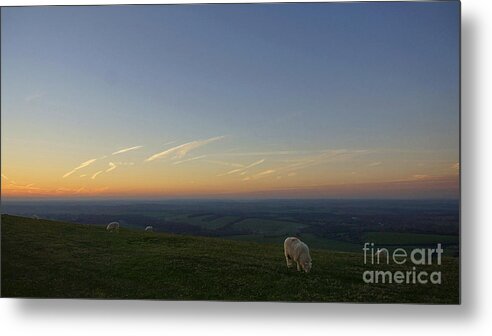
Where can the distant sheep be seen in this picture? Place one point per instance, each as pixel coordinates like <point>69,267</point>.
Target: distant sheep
<point>113,226</point>
<point>296,250</point>
<point>35,217</point>
<point>149,229</point>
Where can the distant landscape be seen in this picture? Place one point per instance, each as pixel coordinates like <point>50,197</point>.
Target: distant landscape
<point>339,225</point>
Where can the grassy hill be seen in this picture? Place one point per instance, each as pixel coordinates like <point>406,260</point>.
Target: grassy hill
<point>42,258</point>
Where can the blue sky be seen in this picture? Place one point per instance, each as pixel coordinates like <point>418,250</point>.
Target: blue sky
<point>78,82</point>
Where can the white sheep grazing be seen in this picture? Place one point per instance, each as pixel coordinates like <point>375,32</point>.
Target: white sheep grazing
<point>149,228</point>
<point>113,226</point>
<point>296,250</point>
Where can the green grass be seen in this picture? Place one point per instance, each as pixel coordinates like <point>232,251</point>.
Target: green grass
<point>43,258</point>
<point>312,240</point>
<point>330,244</point>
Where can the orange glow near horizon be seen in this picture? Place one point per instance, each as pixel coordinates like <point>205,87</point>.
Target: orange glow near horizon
<point>179,172</point>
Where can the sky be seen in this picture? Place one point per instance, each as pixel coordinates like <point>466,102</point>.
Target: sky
<point>335,100</point>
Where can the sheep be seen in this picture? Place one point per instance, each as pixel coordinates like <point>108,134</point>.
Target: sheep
<point>35,217</point>
<point>113,226</point>
<point>296,250</point>
<point>149,229</point>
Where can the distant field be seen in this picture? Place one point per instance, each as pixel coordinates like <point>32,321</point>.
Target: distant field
<point>395,238</point>
<point>266,226</point>
<point>336,225</point>
<point>42,258</point>
<point>258,226</point>
<point>210,222</point>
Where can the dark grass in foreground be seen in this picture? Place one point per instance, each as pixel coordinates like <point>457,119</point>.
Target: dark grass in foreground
<point>49,259</point>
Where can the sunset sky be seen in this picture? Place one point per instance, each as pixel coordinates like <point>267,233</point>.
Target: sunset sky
<point>300,100</point>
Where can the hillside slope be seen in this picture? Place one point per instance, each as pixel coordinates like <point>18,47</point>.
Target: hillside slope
<point>43,258</point>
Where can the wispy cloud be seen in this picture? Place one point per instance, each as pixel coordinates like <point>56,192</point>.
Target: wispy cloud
<point>243,170</point>
<point>191,159</point>
<point>290,166</point>
<point>32,189</point>
<point>124,150</point>
<point>270,153</point>
<point>260,175</point>
<point>325,157</point>
<point>119,163</point>
<point>82,165</point>
<point>63,190</point>
<point>96,173</point>
<point>231,172</point>
<point>112,166</point>
<point>82,190</point>
<point>181,151</point>
<point>14,186</point>
<point>5,177</point>
<point>266,172</point>
<point>375,164</point>
<point>79,190</point>
<point>83,175</point>
<point>256,163</point>
<point>224,163</point>
<point>420,177</point>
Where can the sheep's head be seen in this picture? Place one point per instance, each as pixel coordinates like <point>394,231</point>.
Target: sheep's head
<point>306,266</point>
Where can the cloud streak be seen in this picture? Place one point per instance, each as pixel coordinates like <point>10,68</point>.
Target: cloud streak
<point>124,150</point>
<point>263,173</point>
<point>260,175</point>
<point>291,166</point>
<point>190,159</point>
<point>14,186</point>
<point>82,165</point>
<point>271,153</point>
<point>93,177</point>
<point>324,157</point>
<point>242,170</point>
<point>181,151</point>
<point>375,164</point>
<point>224,163</point>
<point>112,166</point>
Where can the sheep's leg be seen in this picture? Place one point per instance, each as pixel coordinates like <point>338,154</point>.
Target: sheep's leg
<point>289,261</point>
<point>298,267</point>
